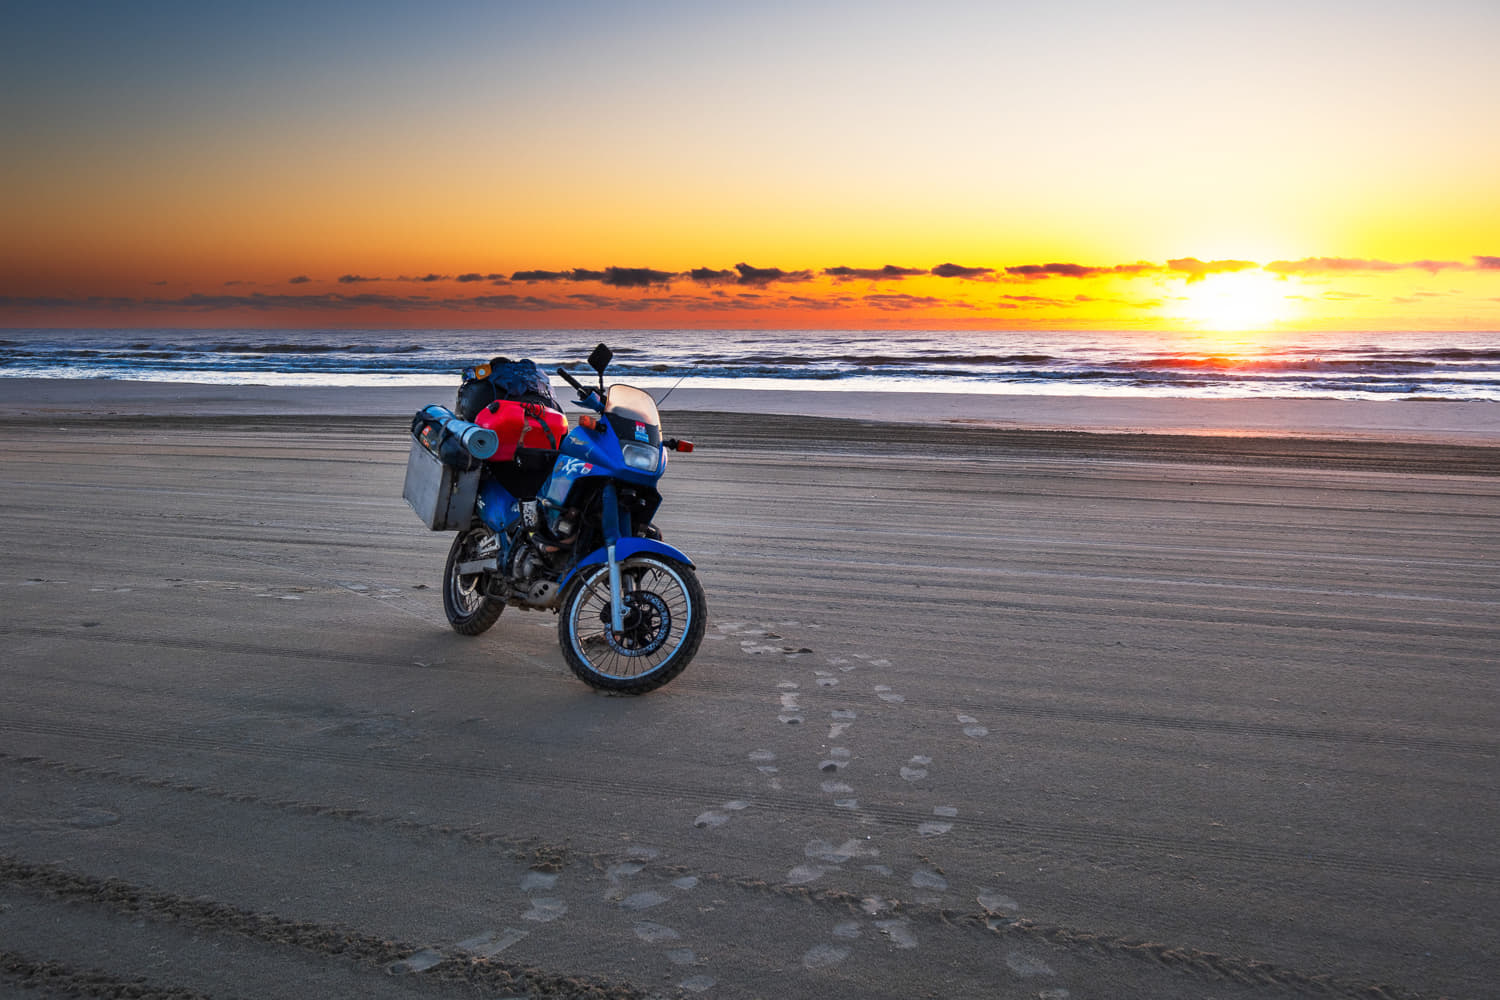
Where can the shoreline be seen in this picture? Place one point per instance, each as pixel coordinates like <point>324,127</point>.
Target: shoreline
<point>1402,421</point>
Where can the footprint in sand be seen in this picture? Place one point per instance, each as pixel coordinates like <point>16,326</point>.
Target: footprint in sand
<point>884,693</point>
<point>926,878</point>
<point>936,828</point>
<point>533,881</point>
<point>843,795</point>
<point>803,874</point>
<point>419,962</point>
<point>718,817</point>
<point>821,956</point>
<point>654,933</point>
<point>842,720</point>
<point>490,943</point>
<point>996,902</point>
<point>972,727</point>
<point>643,900</point>
<point>791,703</point>
<point>545,910</point>
<point>759,640</point>
<point>838,759</point>
<point>899,932</point>
<point>762,759</point>
<point>916,768</point>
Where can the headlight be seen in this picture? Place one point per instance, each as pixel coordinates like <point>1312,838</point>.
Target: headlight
<point>645,457</point>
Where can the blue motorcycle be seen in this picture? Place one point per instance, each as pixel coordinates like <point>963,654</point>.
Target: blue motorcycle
<point>567,527</point>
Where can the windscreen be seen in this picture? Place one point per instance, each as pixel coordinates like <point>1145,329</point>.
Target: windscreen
<point>630,403</point>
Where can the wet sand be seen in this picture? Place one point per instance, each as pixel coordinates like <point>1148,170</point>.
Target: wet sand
<point>986,710</point>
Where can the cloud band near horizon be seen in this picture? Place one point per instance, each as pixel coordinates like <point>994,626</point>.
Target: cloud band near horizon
<point>1189,268</point>
<point>747,288</point>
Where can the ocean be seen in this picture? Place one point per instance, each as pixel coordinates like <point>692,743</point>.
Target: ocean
<point>1456,366</point>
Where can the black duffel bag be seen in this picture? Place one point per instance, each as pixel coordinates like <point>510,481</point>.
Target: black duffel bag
<point>521,381</point>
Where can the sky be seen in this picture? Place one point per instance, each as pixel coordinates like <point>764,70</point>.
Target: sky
<point>1075,164</point>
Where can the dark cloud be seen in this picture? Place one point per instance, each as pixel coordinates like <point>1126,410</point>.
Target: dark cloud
<point>596,301</point>
<point>635,277</point>
<point>300,279</point>
<point>959,271</point>
<point>1033,300</point>
<point>902,302</point>
<point>708,276</point>
<point>426,278</point>
<point>353,279</point>
<point>1197,270</point>
<point>1487,263</point>
<point>258,301</point>
<point>889,272</point>
<point>263,302</point>
<point>804,302</point>
<point>1324,265</point>
<point>762,276</point>
<point>1055,270</point>
<point>586,274</point>
<point>515,303</point>
<point>398,302</point>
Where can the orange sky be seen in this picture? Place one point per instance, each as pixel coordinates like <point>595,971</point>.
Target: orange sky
<point>481,165</point>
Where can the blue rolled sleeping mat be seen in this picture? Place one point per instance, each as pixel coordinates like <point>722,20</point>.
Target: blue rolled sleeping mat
<point>457,443</point>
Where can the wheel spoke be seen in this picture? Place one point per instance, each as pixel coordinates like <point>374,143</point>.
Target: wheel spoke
<point>658,616</point>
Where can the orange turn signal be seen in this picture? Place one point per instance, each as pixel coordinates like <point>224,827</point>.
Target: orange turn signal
<point>588,422</point>
<point>680,445</point>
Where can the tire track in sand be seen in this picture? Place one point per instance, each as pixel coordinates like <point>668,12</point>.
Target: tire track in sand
<point>458,961</point>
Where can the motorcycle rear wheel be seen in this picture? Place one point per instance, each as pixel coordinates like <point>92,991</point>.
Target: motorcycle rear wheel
<point>665,617</point>
<point>469,608</point>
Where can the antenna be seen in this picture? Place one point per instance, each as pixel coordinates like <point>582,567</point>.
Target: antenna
<point>670,391</point>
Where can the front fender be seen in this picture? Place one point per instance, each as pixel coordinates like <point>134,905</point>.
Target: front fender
<point>624,549</point>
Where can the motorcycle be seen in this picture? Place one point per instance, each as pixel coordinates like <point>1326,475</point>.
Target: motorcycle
<point>565,527</point>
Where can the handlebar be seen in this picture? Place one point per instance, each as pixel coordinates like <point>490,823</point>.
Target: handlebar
<point>573,382</point>
<point>586,396</point>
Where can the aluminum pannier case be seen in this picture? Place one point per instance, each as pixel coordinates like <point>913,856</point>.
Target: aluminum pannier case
<point>442,496</point>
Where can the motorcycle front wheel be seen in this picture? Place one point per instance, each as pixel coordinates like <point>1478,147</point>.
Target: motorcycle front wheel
<point>665,616</point>
<point>469,608</point>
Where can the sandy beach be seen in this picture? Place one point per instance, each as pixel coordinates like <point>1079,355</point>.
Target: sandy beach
<point>1002,696</point>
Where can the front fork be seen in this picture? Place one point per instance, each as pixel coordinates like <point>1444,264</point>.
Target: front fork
<point>611,519</point>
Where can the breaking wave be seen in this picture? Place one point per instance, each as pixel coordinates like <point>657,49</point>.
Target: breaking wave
<point>1364,365</point>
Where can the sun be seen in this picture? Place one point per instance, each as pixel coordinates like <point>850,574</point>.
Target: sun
<point>1237,302</point>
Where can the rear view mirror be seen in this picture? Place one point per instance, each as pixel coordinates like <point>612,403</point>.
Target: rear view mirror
<point>599,360</point>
